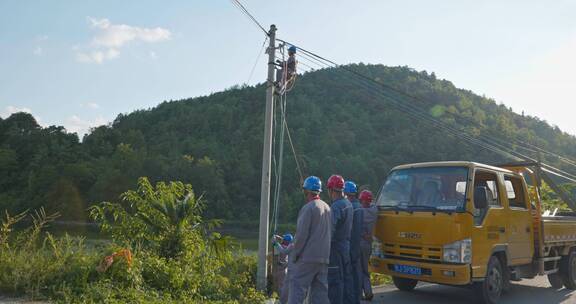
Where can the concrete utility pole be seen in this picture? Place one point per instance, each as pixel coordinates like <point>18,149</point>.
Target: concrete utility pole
<point>262,274</point>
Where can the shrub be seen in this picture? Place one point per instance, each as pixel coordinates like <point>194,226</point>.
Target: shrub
<point>175,257</point>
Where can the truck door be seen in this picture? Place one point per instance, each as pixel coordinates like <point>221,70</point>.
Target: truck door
<point>519,224</point>
<point>489,224</point>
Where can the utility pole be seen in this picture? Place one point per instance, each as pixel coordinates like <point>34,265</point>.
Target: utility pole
<point>262,274</point>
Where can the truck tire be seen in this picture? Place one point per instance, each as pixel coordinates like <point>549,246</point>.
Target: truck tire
<point>490,289</point>
<point>555,281</point>
<point>404,284</point>
<point>568,270</point>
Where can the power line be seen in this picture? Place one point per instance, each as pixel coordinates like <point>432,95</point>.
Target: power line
<point>523,144</point>
<point>416,113</point>
<point>243,9</point>
<point>419,116</point>
<point>482,142</point>
<point>299,62</point>
<point>490,141</point>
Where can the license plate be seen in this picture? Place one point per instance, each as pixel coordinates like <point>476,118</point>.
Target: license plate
<point>405,269</point>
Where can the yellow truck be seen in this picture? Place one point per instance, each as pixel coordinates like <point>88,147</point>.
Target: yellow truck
<point>469,224</point>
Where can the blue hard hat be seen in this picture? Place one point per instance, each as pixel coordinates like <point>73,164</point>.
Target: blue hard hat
<point>292,49</point>
<point>350,187</point>
<point>312,183</point>
<point>288,238</point>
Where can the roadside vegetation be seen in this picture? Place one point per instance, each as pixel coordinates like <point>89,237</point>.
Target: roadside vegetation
<point>161,251</point>
<point>214,143</point>
<point>551,200</point>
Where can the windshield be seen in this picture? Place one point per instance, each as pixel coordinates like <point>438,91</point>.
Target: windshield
<point>429,188</point>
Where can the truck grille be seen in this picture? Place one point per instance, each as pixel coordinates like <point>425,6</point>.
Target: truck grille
<point>427,254</point>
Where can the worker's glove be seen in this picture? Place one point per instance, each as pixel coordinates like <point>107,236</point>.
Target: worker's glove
<point>276,239</point>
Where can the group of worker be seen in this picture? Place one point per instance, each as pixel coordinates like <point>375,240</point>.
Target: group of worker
<point>327,259</point>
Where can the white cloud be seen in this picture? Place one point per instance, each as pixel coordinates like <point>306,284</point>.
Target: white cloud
<point>38,51</point>
<point>116,35</point>
<point>90,105</point>
<point>152,55</point>
<point>42,38</point>
<point>97,56</point>
<point>9,110</point>
<point>109,38</point>
<point>75,124</point>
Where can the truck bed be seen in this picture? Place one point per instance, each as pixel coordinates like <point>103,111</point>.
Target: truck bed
<point>559,229</point>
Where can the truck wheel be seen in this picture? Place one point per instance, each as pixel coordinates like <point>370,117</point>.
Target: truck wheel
<point>568,270</point>
<point>404,284</point>
<point>555,280</point>
<point>490,289</point>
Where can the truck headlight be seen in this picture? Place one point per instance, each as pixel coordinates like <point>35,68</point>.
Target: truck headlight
<point>458,252</point>
<point>377,248</point>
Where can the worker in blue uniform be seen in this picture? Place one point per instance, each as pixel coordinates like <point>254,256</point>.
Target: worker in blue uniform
<point>353,282</point>
<point>339,271</point>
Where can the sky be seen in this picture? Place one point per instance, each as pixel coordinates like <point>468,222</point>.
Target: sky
<point>81,63</point>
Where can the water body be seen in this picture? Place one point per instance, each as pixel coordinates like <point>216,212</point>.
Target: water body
<point>244,235</point>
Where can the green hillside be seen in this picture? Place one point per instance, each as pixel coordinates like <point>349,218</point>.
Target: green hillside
<point>215,143</point>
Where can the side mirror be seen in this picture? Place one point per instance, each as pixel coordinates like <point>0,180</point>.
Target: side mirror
<point>480,198</point>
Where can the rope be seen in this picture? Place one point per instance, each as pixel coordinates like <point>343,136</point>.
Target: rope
<point>257,59</point>
<point>280,166</point>
<point>294,152</point>
<point>275,163</point>
<point>283,111</point>
<point>283,130</point>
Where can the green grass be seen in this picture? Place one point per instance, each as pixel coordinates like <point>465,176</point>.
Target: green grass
<point>378,279</point>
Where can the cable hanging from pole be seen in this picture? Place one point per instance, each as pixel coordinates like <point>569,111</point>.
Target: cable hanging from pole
<point>491,142</point>
<point>245,11</point>
<point>317,57</point>
<point>519,143</point>
<point>257,59</point>
<point>502,151</point>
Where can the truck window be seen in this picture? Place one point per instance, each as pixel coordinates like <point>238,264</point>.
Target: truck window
<point>515,192</point>
<point>425,189</point>
<point>490,182</point>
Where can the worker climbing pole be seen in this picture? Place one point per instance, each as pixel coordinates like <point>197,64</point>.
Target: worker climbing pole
<point>277,87</point>
<point>286,75</point>
<point>262,273</point>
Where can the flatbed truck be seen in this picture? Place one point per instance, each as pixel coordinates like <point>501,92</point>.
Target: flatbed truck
<point>469,224</point>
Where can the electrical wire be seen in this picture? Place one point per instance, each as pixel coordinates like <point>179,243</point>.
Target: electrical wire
<point>497,148</point>
<point>299,62</point>
<point>427,119</point>
<point>487,143</point>
<point>243,9</point>
<point>518,142</point>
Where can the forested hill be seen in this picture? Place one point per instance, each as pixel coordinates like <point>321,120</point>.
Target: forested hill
<point>215,143</point>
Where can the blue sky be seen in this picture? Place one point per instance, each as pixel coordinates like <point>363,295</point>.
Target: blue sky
<point>81,63</point>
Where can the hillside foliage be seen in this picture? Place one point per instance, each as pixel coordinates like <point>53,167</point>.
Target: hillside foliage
<point>160,252</point>
<point>215,143</point>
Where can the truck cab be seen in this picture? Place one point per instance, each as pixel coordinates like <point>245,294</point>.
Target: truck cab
<point>467,224</point>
